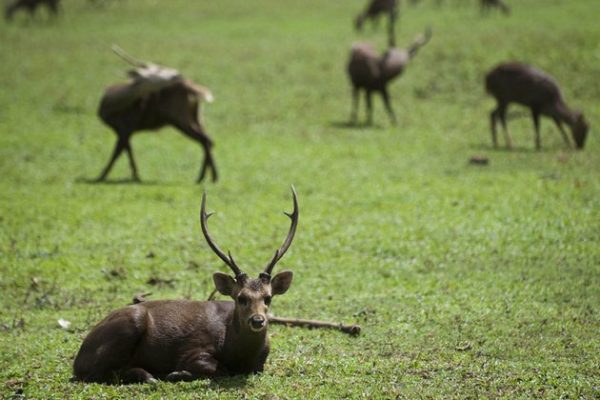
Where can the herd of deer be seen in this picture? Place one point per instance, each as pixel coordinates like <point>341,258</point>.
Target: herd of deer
<point>177,340</point>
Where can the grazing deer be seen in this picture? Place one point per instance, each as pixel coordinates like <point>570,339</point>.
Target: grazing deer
<point>177,105</point>
<point>372,72</point>
<point>486,5</point>
<point>180,340</point>
<point>374,9</point>
<point>30,6</point>
<point>514,82</point>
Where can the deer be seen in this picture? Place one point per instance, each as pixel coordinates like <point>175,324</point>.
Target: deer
<point>157,97</point>
<point>372,72</point>
<point>374,9</point>
<point>486,5</point>
<point>515,82</point>
<point>183,340</point>
<point>30,6</point>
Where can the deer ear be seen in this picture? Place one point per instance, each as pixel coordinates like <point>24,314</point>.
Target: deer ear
<point>281,282</point>
<point>224,283</point>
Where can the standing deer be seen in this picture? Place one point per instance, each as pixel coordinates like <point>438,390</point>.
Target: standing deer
<point>30,6</point>
<point>486,5</point>
<point>514,82</point>
<point>372,72</point>
<point>177,105</point>
<point>180,340</point>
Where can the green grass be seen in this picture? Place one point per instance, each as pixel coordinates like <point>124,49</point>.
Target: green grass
<point>468,282</point>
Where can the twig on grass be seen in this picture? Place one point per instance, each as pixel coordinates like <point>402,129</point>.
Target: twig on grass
<point>353,330</point>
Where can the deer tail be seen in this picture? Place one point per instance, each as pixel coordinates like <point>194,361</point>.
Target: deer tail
<point>203,93</point>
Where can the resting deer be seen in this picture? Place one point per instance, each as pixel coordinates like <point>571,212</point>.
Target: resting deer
<point>180,340</point>
<point>150,102</point>
<point>372,72</point>
<point>374,9</point>
<point>30,6</point>
<point>514,82</point>
<point>486,5</point>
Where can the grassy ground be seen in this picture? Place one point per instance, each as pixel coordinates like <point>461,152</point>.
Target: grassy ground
<point>468,281</point>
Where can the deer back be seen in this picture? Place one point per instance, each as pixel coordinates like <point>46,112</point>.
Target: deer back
<point>364,65</point>
<point>523,84</point>
<point>127,106</point>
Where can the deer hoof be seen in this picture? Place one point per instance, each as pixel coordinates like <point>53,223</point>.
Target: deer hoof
<point>177,376</point>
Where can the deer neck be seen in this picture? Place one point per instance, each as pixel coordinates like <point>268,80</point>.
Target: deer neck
<point>564,113</point>
<point>393,62</point>
<point>239,335</point>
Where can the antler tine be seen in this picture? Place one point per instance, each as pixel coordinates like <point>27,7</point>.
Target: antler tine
<point>127,58</point>
<point>227,259</point>
<point>288,240</point>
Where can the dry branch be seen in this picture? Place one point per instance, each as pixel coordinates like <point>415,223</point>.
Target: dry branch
<point>353,330</point>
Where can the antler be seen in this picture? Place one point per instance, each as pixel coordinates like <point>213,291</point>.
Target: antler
<point>121,53</point>
<point>419,42</point>
<point>286,243</point>
<point>228,259</point>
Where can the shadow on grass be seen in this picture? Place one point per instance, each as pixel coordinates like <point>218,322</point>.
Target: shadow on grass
<point>352,125</point>
<point>126,181</point>
<point>504,149</point>
<point>229,382</point>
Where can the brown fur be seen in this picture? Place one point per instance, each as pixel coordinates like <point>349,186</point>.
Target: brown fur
<point>374,9</point>
<point>486,5</point>
<point>523,84</point>
<point>126,112</point>
<point>181,340</point>
<point>30,6</point>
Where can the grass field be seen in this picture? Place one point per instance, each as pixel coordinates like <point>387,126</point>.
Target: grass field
<point>468,282</point>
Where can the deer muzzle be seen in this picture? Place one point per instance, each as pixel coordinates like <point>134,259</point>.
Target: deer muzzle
<point>257,323</point>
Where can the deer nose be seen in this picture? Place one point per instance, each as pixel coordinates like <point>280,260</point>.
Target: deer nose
<point>257,321</point>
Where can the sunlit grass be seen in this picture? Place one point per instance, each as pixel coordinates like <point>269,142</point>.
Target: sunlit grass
<point>468,281</point>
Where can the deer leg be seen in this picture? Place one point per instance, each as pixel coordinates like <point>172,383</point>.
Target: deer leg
<point>355,100</point>
<point>208,163</point>
<point>136,375</point>
<point>502,114</point>
<point>53,8</point>
<point>536,124</point>
<point>195,366</point>
<point>196,133</point>
<point>388,106</point>
<point>262,359</point>
<point>134,172</point>
<point>563,133</point>
<point>368,98</point>
<point>107,350</point>
<point>493,122</point>
<point>119,147</point>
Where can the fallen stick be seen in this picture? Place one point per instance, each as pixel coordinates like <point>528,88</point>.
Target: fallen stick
<point>353,330</point>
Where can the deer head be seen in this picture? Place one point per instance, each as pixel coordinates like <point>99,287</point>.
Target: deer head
<point>580,130</point>
<point>252,297</point>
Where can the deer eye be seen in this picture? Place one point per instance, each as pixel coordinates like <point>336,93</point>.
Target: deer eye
<point>242,300</point>
<point>268,300</point>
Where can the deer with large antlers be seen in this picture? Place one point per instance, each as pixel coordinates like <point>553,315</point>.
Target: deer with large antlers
<point>372,72</point>
<point>180,340</point>
<point>156,97</point>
